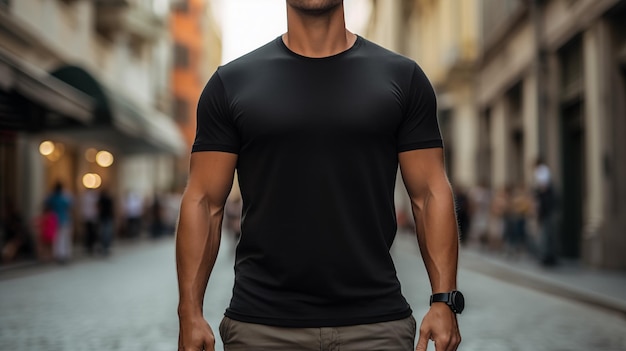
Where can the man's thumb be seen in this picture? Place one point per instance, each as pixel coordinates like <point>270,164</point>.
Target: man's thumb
<point>422,342</point>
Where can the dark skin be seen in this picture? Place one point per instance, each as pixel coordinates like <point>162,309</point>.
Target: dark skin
<point>316,28</point>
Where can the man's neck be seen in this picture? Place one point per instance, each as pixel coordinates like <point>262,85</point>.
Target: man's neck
<point>317,35</point>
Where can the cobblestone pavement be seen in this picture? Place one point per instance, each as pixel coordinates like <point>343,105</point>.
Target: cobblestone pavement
<point>128,302</point>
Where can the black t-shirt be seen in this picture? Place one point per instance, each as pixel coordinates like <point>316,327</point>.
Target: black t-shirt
<point>317,142</point>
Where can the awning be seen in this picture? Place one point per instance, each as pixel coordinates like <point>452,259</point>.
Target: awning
<point>121,123</point>
<point>24,87</point>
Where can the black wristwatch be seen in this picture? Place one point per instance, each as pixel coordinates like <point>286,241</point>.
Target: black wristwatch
<point>454,299</point>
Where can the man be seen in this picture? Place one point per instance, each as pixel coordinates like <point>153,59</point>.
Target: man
<point>106,216</point>
<point>133,210</point>
<point>316,123</point>
<point>546,205</point>
<point>89,209</point>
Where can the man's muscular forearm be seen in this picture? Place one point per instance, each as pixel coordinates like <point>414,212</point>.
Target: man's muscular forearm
<point>438,241</point>
<point>437,235</point>
<point>197,245</point>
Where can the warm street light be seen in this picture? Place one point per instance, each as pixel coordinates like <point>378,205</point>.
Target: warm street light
<point>46,148</point>
<point>104,158</point>
<point>92,181</point>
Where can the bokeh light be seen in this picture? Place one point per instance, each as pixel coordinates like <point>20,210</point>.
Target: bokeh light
<point>46,148</point>
<point>104,158</point>
<point>92,181</point>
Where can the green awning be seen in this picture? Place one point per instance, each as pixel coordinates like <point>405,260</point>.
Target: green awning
<point>120,122</point>
<point>25,88</point>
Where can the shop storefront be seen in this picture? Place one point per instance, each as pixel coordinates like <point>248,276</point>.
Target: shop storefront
<point>67,127</point>
<point>31,103</point>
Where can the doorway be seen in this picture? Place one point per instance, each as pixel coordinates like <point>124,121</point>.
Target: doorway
<point>573,178</point>
<point>515,145</point>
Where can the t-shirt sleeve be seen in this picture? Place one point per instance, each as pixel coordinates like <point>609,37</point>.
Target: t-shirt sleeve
<point>420,128</point>
<point>215,128</point>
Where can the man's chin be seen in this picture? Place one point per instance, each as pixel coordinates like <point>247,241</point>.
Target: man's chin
<point>314,7</point>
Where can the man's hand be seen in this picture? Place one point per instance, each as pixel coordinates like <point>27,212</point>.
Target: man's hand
<point>439,325</point>
<point>195,335</point>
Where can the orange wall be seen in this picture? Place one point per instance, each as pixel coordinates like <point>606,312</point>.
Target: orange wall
<point>186,29</point>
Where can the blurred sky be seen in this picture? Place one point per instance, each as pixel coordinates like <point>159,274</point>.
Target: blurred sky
<point>248,24</point>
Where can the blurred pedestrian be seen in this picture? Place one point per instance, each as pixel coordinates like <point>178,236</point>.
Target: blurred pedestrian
<point>545,198</point>
<point>232,214</point>
<point>61,204</point>
<point>519,212</point>
<point>89,212</point>
<point>508,220</point>
<point>480,200</point>
<point>316,123</point>
<point>171,207</point>
<point>133,212</point>
<point>498,219</point>
<point>156,215</point>
<point>47,227</point>
<point>106,215</point>
<point>15,234</point>
<point>462,212</point>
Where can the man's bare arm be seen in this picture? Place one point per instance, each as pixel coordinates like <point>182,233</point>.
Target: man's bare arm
<point>424,175</point>
<point>423,172</point>
<point>198,239</point>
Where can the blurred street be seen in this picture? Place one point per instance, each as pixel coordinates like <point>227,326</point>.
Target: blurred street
<point>128,302</point>
<point>98,111</point>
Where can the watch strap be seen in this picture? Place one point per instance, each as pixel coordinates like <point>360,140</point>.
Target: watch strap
<point>440,297</point>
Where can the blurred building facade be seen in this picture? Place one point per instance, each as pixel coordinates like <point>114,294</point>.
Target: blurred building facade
<point>197,53</point>
<point>552,81</point>
<point>86,76</point>
<point>521,80</point>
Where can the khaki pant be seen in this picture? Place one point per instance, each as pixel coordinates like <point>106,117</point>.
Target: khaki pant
<point>387,336</point>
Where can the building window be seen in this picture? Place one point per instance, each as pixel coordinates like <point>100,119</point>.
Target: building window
<point>181,56</point>
<point>571,59</point>
<point>137,47</point>
<point>180,5</point>
<point>181,110</point>
<point>497,15</point>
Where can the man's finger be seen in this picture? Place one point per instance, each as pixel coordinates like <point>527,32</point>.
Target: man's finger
<point>454,340</point>
<point>422,342</point>
<point>209,345</point>
<point>441,344</point>
<point>454,343</point>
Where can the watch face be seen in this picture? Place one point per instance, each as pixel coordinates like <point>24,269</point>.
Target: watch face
<point>458,301</point>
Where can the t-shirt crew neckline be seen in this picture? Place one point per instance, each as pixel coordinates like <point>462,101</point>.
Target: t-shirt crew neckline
<point>354,46</point>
